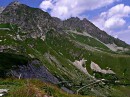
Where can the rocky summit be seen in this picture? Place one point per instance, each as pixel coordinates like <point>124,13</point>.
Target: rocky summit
<point>50,57</point>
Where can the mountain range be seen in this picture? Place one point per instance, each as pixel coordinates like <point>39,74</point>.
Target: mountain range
<point>73,54</point>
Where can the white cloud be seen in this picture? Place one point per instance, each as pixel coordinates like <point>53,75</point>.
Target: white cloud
<point>67,8</point>
<point>129,27</point>
<point>114,23</point>
<point>119,10</point>
<point>47,4</point>
<point>113,19</point>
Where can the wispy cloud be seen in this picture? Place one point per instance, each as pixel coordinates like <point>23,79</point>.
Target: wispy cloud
<point>114,18</point>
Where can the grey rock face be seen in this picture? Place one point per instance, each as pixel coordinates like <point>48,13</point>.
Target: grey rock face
<point>34,70</point>
<point>1,9</point>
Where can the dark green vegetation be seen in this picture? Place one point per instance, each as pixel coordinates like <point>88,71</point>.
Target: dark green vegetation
<point>7,61</point>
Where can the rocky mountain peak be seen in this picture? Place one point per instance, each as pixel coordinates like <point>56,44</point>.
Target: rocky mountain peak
<point>74,18</point>
<point>15,3</point>
<point>32,20</point>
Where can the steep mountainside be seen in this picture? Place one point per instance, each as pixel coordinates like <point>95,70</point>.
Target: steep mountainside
<point>37,22</point>
<point>35,45</point>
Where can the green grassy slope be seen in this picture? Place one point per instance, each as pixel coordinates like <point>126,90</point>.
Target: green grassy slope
<point>72,51</point>
<point>32,88</point>
<point>89,41</point>
<point>59,50</point>
<point>119,63</point>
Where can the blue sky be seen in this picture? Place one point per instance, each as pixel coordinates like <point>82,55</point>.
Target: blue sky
<point>111,16</point>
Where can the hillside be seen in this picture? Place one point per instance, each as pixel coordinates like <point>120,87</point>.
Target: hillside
<point>35,45</point>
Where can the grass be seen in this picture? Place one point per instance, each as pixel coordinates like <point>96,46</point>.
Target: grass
<point>5,25</point>
<point>89,41</point>
<point>32,88</point>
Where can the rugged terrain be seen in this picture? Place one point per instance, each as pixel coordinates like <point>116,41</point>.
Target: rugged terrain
<point>34,45</point>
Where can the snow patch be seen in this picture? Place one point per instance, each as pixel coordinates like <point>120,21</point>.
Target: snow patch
<point>43,38</point>
<point>114,47</point>
<point>95,67</point>
<point>3,91</point>
<point>79,64</point>
<point>18,37</point>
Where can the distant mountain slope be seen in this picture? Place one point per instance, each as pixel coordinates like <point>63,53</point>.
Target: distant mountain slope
<point>86,26</point>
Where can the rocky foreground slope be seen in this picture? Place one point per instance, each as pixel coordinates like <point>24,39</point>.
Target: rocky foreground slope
<point>69,54</point>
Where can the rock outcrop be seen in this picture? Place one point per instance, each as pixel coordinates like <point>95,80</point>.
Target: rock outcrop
<point>34,70</point>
